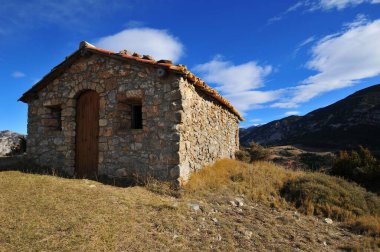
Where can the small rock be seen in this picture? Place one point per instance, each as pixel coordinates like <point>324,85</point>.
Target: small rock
<point>297,215</point>
<point>248,234</point>
<point>194,206</point>
<point>92,186</point>
<point>282,219</point>
<point>325,243</point>
<point>328,221</point>
<point>175,236</point>
<point>218,237</point>
<point>215,220</point>
<point>240,210</point>
<point>240,201</point>
<point>233,203</point>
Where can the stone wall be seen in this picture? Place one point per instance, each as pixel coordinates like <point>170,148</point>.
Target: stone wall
<point>208,131</point>
<point>123,152</point>
<point>183,129</point>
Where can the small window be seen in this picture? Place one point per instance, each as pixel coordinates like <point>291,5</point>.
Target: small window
<point>53,121</point>
<point>56,113</point>
<point>136,116</point>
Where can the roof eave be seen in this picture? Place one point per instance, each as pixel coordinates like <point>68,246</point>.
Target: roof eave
<point>86,47</point>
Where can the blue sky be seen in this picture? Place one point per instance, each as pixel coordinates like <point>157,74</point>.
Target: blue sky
<point>269,58</point>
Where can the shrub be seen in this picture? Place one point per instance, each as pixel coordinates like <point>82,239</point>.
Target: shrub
<point>359,166</point>
<point>243,155</point>
<point>315,162</point>
<point>285,153</point>
<point>254,152</point>
<point>367,224</point>
<point>257,152</point>
<point>320,194</point>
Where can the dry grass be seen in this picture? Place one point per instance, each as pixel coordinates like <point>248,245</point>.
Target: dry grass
<point>311,193</point>
<point>41,212</point>
<point>260,181</point>
<point>47,213</point>
<point>367,224</point>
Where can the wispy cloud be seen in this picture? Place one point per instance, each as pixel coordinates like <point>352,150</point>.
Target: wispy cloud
<point>341,60</point>
<point>134,24</point>
<point>361,19</point>
<point>292,8</point>
<point>289,113</point>
<point>18,74</point>
<point>339,4</point>
<point>322,5</point>
<point>158,43</point>
<point>255,120</point>
<point>253,99</point>
<point>307,41</point>
<point>69,13</point>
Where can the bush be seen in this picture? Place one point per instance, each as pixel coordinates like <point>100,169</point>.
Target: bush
<point>367,224</point>
<point>315,162</point>
<point>359,166</point>
<point>257,152</point>
<point>243,155</point>
<point>320,194</point>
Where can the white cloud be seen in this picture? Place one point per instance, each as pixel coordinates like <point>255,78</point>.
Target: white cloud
<point>247,100</point>
<point>158,43</point>
<point>18,74</point>
<point>341,4</point>
<point>341,60</point>
<point>237,82</point>
<point>289,113</point>
<point>324,5</point>
<point>255,120</point>
<point>232,78</point>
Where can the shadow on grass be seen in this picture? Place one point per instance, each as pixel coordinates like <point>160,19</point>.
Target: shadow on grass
<point>22,164</point>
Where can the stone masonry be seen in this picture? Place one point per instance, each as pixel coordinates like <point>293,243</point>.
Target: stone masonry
<point>184,126</point>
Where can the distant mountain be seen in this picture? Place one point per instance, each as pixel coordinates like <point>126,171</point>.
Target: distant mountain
<point>352,121</point>
<point>9,140</point>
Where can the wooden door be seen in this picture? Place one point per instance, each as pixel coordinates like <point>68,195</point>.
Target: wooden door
<point>86,138</point>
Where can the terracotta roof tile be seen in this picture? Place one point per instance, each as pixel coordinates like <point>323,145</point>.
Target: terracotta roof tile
<point>181,69</point>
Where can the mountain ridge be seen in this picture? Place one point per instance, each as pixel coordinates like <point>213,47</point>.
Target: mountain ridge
<point>347,123</point>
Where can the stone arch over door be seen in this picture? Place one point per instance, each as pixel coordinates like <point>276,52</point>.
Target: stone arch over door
<point>87,134</point>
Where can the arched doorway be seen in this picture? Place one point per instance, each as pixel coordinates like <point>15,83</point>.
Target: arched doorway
<point>87,132</point>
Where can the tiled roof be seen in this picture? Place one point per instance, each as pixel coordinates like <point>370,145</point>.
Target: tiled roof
<point>167,64</point>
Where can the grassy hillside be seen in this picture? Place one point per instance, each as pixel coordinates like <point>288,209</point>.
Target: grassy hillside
<point>228,206</point>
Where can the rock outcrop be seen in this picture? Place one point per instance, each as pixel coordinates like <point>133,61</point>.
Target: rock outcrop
<point>9,142</point>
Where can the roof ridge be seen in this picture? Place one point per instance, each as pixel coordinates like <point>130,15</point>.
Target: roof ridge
<point>124,54</point>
